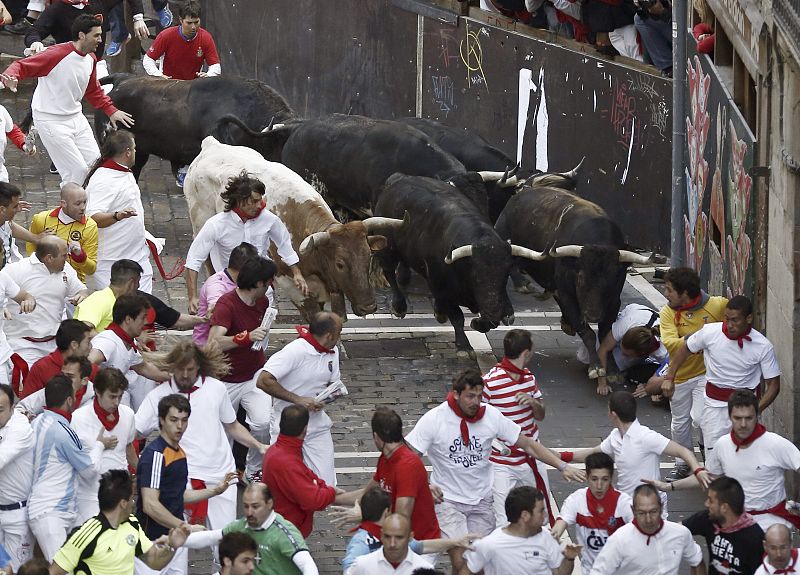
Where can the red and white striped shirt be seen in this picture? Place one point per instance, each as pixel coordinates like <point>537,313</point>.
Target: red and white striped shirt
<point>500,390</point>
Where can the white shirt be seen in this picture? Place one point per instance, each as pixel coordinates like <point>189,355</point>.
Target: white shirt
<point>33,404</point>
<point>502,554</point>
<point>224,231</point>
<point>112,190</point>
<point>8,289</point>
<point>301,369</point>
<point>575,511</point>
<point>6,125</point>
<point>17,441</point>
<point>760,468</point>
<point>635,315</point>
<point>766,569</point>
<point>627,552</point>
<point>117,354</point>
<point>50,291</point>
<point>462,471</point>
<point>376,564</point>
<point>205,442</point>
<point>636,456</point>
<point>731,366</point>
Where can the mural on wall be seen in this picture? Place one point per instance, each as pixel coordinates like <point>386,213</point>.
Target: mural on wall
<point>720,226</point>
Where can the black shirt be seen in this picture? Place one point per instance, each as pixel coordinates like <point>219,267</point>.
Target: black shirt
<point>737,553</point>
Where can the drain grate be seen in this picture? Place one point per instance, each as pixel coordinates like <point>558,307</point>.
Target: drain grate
<point>395,347</point>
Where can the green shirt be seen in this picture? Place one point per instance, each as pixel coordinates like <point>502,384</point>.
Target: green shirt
<point>277,544</point>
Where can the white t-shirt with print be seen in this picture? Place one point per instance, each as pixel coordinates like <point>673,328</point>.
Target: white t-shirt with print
<point>502,554</point>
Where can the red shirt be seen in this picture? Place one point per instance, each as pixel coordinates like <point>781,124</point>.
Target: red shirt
<point>43,370</point>
<point>404,475</point>
<point>183,58</point>
<point>236,316</point>
<point>296,490</point>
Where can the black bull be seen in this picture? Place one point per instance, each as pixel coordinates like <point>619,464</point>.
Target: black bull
<point>172,117</point>
<point>586,258</point>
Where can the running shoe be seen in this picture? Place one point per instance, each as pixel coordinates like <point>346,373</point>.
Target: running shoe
<point>53,169</point>
<point>114,47</point>
<point>165,16</point>
<point>679,471</point>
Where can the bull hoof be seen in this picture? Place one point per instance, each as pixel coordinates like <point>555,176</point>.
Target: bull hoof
<point>542,295</point>
<point>440,317</point>
<point>526,287</point>
<point>566,328</point>
<point>399,308</point>
<point>466,354</point>
<point>482,325</point>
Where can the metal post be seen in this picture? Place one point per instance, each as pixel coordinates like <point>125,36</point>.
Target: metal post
<point>679,28</point>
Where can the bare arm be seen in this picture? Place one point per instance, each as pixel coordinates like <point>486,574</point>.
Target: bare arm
<point>675,362</point>
<point>545,455</point>
<point>106,219</point>
<point>606,346</point>
<point>404,506</point>
<point>773,387</point>
<point>226,342</point>
<point>186,321</point>
<point>131,456</point>
<point>96,356</point>
<point>267,383</point>
<point>191,289</point>
<point>20,233</point>
<point>677,450</point>
<point>153,508</point>
<point>239,433</point>
<point>558,529</point>
<point>148,370</point>
<point>580,455</point>
<point>699,570</point>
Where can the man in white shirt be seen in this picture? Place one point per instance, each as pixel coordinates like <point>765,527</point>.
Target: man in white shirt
<point>736,357</point>
<point>115,204</point>
<point>758,459</point>
<point>46,276</point>
<point>67,73</point>
<point>457,437</point>
<point>16,475</point>
<point>105,413</point>
<point>212,421</point>
<point>9,290</point>
<point>116,345</point>
<point>245,219</point>
<point>298,373</point>
<point>521,547</point>
<point>780,558</point>
<point>636,449</point>
<point>59,457</point>
<point>596,511</point>
<point>649,545</point>
<point>78,369</point>
<point>394,557</point>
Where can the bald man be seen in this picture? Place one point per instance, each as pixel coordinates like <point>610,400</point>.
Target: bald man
<point>69,222</point>
<point>46,276</point>
<point>394,556</point>
<point>780,557</point>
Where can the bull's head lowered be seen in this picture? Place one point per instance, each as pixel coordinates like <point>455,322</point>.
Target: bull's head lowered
<point>344,254</point>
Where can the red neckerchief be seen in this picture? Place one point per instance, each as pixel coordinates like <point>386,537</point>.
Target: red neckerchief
<point>123,335</point>
<point>687,307</point>
<point>654,345</point>
<point>55,212</point>
<point>245,217</point>
<point>649,535</point>
<point>451,401</point>
<point>109,419</point>
<point>79,396</point>
<point>506,364</point>
<point>745,520</point>
<point>603,509</point>
<point>112,165</point>
<point>65,414</point>
<point>370,527</point>
<point>789,568</point>
<point>757,432</point>
<point>304,333</point>
<point>744,336</point>
<point>188,392</point>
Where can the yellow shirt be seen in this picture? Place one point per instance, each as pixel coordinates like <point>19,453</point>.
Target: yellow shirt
<point>85,233</point>
<point>98,549</point>
<point>672,334</point>
<point>97,309</point>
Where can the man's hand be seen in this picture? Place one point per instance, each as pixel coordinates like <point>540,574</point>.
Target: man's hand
<point>123,118</point>
<point>437,493</point>
<point>572,551</point>
<point>342,516</point>
<point>525,399</point>
<point>258,334</point>
<point>262,448</point>
<point>44,234</point>
<point>703,478</point>
<point>139,27</point>
<point>108,441</point>
<point>571,473</point>
<point>667,388</point>
<point>29,151</point>
<point>81,295</point>
<point>25,206</point>
<point>639,392</point>
<point>202,75</point>
<point>27,305</point>
<point>602,386</point>
<point>660,485</point>
<point>223,485</point>
<point>300,283</point>
<point>177,535</point>
<point>35,48</point>
<point>194,303</point>
<point>126,213</point>
<point>9,82</point>
<point>197,528</point>
<point>310,404</point>
<point>148,337</point>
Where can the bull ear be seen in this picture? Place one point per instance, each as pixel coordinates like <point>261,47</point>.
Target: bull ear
<point>377,243</point>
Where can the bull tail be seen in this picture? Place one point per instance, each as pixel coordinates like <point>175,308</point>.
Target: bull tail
<point>270,131</point>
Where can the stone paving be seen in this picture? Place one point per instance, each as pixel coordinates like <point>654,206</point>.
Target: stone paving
<point>412,380</point>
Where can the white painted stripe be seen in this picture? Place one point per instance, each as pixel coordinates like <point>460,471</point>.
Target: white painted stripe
<point>408,329</point>
<point>483,350</point>
<point>651,294</point>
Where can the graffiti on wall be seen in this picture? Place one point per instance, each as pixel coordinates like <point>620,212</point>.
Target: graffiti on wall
<point>722,226</point>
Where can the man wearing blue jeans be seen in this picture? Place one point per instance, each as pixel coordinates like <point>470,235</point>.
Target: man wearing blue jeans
<point>119,32</point>
<point>653,22</point>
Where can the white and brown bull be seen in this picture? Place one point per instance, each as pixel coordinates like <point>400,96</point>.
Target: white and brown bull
<point>334,257</point>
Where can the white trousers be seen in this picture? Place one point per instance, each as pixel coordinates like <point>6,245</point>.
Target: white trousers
<point>51,531</point>
<point>70,142</point>
<point>178,565</point>
<point>715,423</point>
<point>15,536</point>
<point>687,408</point>
<point>507,477</point>
<point>36,5</point>
<point>31,351</point>
<point>258,406</point>
<point>459,519</point>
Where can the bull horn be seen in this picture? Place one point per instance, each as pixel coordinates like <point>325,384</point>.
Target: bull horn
<point>458,253</point>
<point>570,251</point>
<point>272,126</point>
<point>315,239</point>
<point>527,253</point>
<point>574,172</point>
<point>628,257</point>
<point>491,176</point>
<point>377,224</point>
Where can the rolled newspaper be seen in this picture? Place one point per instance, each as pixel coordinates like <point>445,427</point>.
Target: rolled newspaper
<point>269,317</point>
<point>333,391</point>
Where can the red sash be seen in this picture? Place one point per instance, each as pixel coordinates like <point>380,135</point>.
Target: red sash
<point>780,511</point>
<point>18,373</point>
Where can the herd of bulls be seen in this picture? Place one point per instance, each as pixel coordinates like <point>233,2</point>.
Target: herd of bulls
<point>436,200</point>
